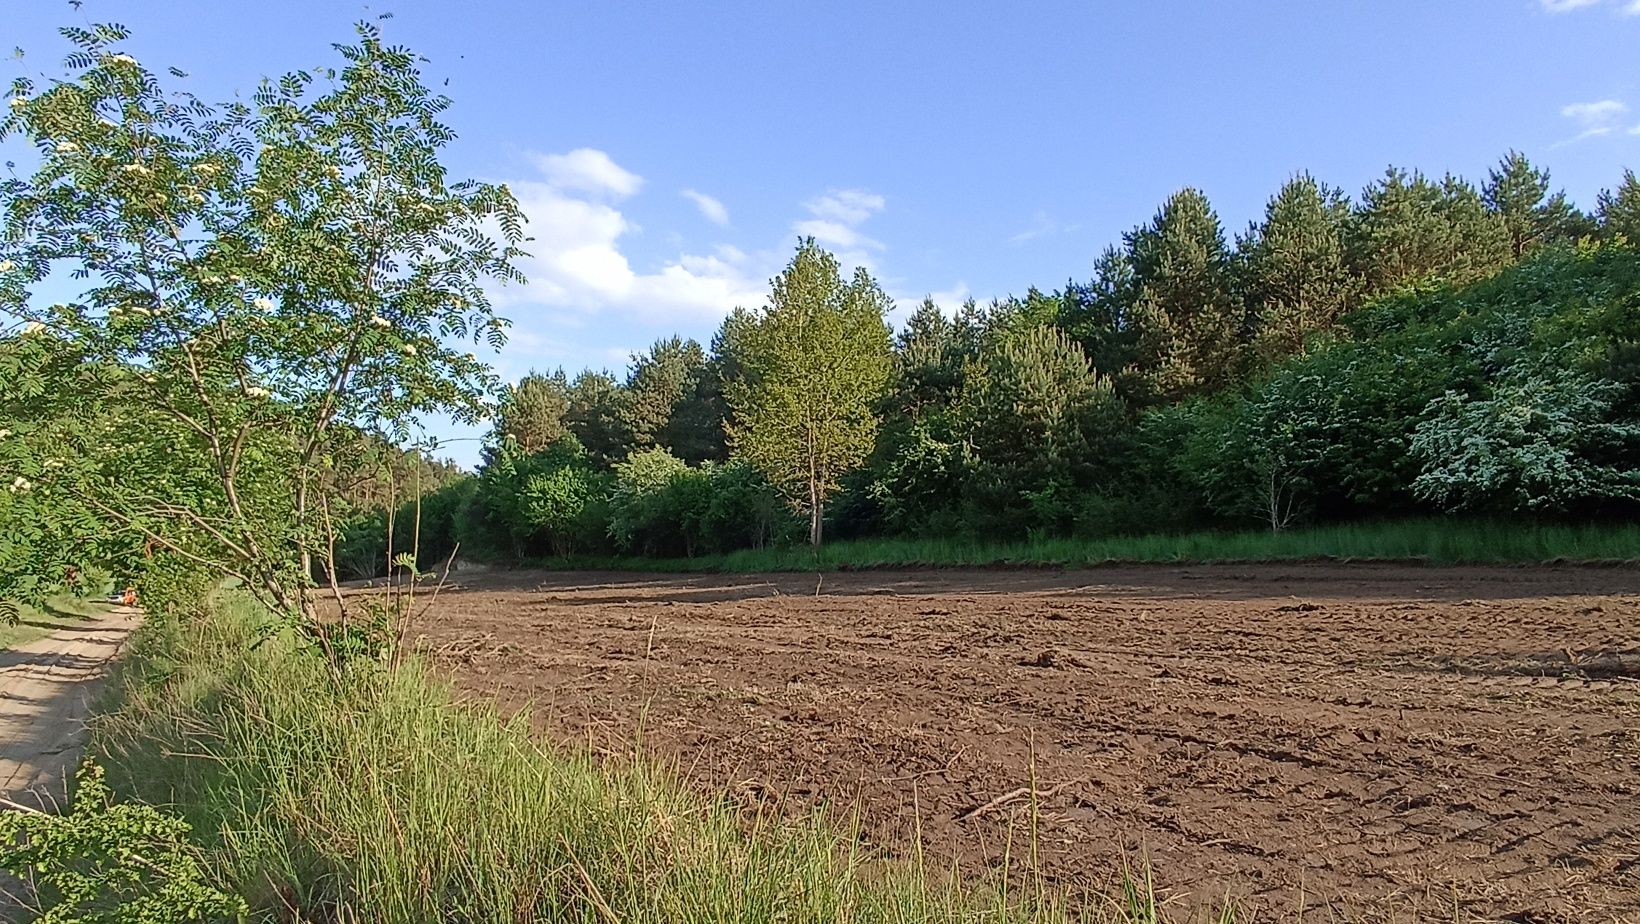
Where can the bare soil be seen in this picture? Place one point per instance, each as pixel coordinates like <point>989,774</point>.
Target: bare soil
<point>1366,739</point>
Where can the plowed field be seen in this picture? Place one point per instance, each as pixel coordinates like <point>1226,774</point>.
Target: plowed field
<point>1370,736</point>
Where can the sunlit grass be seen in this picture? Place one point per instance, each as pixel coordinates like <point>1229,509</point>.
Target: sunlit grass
<point>378,798</point>
<point>1430,541</point>
<point>38,622</point>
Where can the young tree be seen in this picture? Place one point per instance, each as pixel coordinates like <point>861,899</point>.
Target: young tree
<point>258,277</point>
<point>1292,269</point>
<point>1519,193</point>
<point>814,363</point>
<point>1032,403</point>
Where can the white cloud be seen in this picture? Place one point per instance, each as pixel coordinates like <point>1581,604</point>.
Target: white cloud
<point>582,278</point>
<point>845,206</point>
<point>711,209</point>
<point>1041,226</point>
<point>837,217</point>
<point>578,267</point>
<point>588,170</point>
<point>835,234</point>
<point>1629,7</point>
<point>1595,119</point>
<point>1635,130</point>
<point>1596,114</point>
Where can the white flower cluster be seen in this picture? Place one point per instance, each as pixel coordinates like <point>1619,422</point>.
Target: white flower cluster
<point>33,327</point>
<point>4,433</point>
<point>7,266</point>
<point>21,484</point>
<point>263,304</point>
<point>18,102</point>
<point>67,147</point>
<point>256,391</point>
<point>137,169</point>
<point>377,320</point>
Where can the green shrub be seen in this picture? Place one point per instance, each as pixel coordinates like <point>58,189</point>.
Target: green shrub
<point>108,862</point>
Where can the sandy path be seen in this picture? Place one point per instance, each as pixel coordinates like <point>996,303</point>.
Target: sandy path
<point>46,688</point>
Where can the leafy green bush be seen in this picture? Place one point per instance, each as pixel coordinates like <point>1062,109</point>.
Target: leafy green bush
<point>108,862</point>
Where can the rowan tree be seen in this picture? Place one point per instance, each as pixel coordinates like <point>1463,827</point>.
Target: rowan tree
<point>260,276</point>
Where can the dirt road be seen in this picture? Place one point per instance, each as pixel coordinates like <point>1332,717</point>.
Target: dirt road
<point>1373,737</point>
<point>46,688</point>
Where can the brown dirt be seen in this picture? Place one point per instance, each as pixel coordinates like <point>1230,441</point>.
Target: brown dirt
<point>1374,737</point>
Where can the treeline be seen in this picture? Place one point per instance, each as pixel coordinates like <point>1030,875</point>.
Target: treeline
<point>1429,346</point>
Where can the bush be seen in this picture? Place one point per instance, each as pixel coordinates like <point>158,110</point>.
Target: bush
<point>108,862</point>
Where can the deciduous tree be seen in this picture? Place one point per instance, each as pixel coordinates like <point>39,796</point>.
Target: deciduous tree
<point>260,275</point>
<point>814,363</point>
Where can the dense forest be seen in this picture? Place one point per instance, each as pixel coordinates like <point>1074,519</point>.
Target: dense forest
<point>1428,347</point>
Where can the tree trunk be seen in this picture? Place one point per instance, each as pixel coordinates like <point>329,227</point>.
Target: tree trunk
<point>817,513</point>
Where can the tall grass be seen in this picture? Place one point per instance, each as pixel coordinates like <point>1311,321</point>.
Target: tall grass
<point>1435,541</point>
<point>378,798</point>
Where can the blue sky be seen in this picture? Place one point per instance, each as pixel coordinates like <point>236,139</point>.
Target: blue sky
<point>670,153</point>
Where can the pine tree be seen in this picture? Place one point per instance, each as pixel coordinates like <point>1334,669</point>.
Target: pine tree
<point>1187,322</point>
<point>1534,217</point>
<point>1408,229</point>
<point>1620,210</point>
<point>1398,235</point>
<point>1098,314</point>
<point>594,416</point>
<point>1031,398</point>
<point>1477,239</point>
<point>928,361</point>
<point>1292,269</point>
<point>532,414</point>
<point>653,406</point>
<point>814,365</point>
